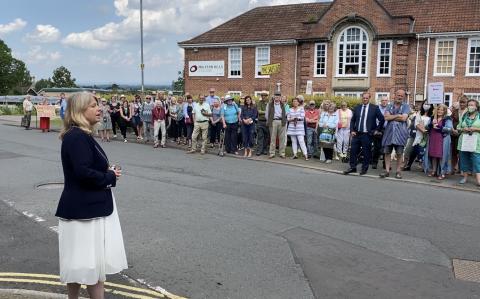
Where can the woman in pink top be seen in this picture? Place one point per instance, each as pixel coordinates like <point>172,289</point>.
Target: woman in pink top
<point>343,130</point>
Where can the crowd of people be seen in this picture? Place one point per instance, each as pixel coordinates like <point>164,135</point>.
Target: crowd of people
<point>436,139</point>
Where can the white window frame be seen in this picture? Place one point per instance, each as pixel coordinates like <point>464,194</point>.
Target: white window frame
<point>381,94</point>
<point>234,93</point>
<point>315,60</point>
<point>259,93</point>
<point>367,57</point>
<point>473,95</point>
<point>451,98</point>
<point>256,62</point>
<point>342,93</point>
<point>467,70</point>
<point>452,74</point>
<point>230,65</point>
<point>318,93</point>
<point>390,58</point>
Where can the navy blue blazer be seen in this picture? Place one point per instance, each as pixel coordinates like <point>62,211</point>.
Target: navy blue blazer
<point>374,115</point>
<point>88,180</point>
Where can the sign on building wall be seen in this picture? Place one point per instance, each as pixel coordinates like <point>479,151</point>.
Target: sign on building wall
<point>435,93</point>
<point>270,69</point>
<point>215,68</point>
<point>309,89</point>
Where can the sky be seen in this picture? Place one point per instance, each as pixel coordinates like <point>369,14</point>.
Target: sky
<point>99,40</point>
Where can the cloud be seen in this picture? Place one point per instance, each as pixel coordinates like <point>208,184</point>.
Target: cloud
<point>160,18</point>
<point>44,34</point>
<point>115,58</point>
<point>84,40</point>
<point>17,24</point>
<point>37,54</point>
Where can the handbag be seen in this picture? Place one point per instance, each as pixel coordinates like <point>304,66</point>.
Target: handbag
<point>469,142</point>
<point>327,135</point>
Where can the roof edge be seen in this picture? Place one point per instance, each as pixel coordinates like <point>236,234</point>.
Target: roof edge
<point>236,44</point>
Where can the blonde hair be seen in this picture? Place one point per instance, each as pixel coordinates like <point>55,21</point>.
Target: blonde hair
<point>77,104</point>
<point>445,109</point>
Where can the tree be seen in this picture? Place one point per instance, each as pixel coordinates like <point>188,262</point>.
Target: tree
<point>14,75</point>
<point>43,83</point>
<point>62,78</point>
<point>179,85</point>
<point>114,87</point>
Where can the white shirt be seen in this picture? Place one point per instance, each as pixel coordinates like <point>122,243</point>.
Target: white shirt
<point>27,106</point>
<point>366,107</point>
<point>197,111</point>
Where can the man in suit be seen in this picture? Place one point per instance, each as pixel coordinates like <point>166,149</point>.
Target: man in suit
<point>366,121</point>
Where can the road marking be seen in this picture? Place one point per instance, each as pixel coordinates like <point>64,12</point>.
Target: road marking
<point>13,277</point>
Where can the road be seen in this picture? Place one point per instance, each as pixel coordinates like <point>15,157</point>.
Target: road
<point>209,227</point>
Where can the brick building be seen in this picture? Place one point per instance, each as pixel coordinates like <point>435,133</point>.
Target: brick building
<point>343,47</point>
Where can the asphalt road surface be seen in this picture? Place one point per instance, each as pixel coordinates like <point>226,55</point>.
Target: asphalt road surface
<point>209,227</point>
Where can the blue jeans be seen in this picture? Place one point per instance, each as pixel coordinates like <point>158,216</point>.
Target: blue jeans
<point>247,134</point>
<point>312,141</point>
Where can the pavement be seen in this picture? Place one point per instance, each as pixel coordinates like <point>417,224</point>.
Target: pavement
<point>201,226</point>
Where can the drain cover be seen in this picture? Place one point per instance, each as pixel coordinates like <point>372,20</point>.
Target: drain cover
<point>50,186</point>
<point>466,270</point>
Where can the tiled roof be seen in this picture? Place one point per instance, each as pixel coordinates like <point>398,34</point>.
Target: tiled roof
<point>297,21</point>
<point>281,22</point>
<point>441,15</point>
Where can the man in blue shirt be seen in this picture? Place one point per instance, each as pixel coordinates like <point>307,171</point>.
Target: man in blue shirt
<point>396,132</point>
<point>63,105</point>
<point>230,118</point>
<point>210,99</point>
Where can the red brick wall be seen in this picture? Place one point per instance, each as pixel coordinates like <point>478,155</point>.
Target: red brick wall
<point>248,84</point>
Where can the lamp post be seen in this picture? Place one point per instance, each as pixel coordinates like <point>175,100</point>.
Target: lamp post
<point>142,66</point>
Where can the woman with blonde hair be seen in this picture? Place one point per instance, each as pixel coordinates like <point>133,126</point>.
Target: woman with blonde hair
<point>440,128</point>
<point>89,232</point>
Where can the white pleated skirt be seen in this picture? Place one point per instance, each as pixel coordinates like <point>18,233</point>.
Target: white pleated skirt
<point>91,249</point>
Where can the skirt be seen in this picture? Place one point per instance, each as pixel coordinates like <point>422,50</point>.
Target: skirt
<point>90,249</point>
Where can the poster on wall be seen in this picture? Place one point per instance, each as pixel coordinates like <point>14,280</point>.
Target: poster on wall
<point>435,93</point>
<point>214,68</point>
<point>309,89</point>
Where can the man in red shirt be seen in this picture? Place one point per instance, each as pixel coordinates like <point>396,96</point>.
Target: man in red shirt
<point>311,117</point>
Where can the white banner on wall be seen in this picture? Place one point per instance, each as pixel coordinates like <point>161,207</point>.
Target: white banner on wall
<point>435,93</point>
<point>215,68</point>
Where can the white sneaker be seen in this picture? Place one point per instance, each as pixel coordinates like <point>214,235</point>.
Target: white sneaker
<point>328,162</point>
<point>125,140</point>
<point>114,136</point>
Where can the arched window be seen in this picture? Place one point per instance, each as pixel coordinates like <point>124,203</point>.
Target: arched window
<point>352,52</point>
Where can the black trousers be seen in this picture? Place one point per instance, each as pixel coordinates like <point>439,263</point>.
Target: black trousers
<point>328,153</point>
<point>173,129</point>
<point>231,138</point>
<point>123,128</point>
<point>263,137</point>
<point>363,141</point>
<point>377,149</point>
<point>115,121</point>
<point>181,128</point>
<point>215,131</point>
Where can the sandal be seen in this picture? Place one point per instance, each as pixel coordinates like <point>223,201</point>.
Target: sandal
<point>384,174</point>
<point>441,177</point>
<point>398,175</point>
<point>431,174</point>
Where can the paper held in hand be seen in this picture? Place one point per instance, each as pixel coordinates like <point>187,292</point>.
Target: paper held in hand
<point>469,143</point>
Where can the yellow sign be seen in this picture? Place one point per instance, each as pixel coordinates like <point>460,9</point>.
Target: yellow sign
<point>270,69</point>
<point>45,110</point>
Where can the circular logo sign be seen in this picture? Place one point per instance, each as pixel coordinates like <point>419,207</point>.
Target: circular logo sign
<point>193,68</point>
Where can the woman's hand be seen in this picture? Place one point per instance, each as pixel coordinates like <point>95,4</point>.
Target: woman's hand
<point>118,173</point>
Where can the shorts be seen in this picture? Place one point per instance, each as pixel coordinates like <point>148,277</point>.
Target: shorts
<point>470,162</point>
<point>137,121</point>
<point>388,149</point>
